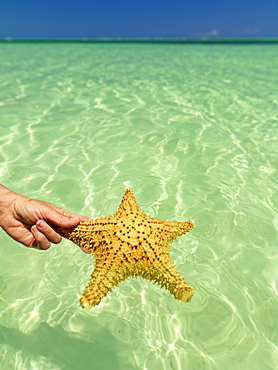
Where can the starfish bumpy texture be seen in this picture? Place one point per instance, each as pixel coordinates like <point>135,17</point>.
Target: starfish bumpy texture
<point>130,244</point>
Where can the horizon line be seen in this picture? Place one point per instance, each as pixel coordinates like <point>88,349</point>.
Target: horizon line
<point>172,40</point>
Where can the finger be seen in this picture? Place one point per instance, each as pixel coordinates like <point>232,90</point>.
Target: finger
<point>70,215</point>
<point>62,220</point>
<point>65,213</point>
<point>60,217</point>
<point>48,232</point>
<point>74,216</point>
<point>40,241</point>
<point>85,250</point>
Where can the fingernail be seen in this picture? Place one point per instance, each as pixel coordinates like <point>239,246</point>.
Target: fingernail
<point>34,229</point>
<point>41,223</point>
<point>74,218</point>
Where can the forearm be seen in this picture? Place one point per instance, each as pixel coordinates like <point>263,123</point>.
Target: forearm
<point>7,201</point>
<point>4,194</point>
<point>7,197</point>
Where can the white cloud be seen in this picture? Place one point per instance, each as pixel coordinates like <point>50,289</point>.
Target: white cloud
<point>212,33</point>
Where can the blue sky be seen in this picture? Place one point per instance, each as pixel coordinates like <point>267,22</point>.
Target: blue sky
<point>139,18</point>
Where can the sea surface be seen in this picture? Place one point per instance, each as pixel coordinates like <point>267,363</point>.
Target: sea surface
<point>192,130</point>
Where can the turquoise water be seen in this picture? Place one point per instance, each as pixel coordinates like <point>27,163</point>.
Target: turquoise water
<point>192,130</point>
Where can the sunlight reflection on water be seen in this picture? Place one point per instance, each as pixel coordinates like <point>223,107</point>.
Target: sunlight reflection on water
<point>192,130</point>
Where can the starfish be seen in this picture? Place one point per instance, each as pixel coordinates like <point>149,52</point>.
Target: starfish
<point>129,244</point>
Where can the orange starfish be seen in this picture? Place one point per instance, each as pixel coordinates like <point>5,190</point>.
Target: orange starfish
<point>130,244</point>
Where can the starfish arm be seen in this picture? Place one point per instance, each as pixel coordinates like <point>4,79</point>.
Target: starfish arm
<point>101,283</point>
<point>172,229</point>
<point>89,234</point>
<point>167,276</point>
<point>129,206</point>
<point>98,287</point>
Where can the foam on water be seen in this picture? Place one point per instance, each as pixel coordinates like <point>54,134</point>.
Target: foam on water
<point>192,130</point>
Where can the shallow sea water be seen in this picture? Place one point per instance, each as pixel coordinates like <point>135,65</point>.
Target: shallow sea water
<point>192,130</point>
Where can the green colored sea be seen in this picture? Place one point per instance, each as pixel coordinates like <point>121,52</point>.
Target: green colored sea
<point>192,130</point>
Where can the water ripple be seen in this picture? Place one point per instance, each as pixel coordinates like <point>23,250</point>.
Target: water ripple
<point>192,130</point>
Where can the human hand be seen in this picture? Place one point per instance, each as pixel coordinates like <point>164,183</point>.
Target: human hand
<point>28,221</point>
